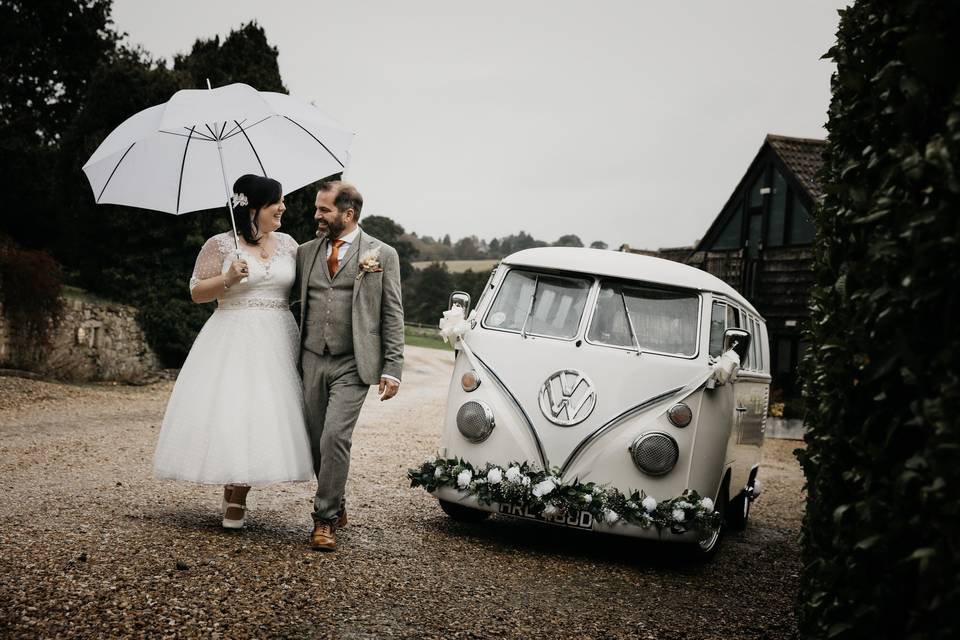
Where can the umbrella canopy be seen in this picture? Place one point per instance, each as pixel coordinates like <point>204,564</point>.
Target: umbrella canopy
<point>178,157</point>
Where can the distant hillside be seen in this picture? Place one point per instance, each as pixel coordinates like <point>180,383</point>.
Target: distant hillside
<point>459,266</point>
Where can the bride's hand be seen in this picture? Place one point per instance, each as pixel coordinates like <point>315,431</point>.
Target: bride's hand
<point>238,271</point>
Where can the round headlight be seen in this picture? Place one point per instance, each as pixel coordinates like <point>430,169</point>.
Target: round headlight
<point>680,415</point>
<point>475,421</point>
<point>655,453</point>
<point>469,380</point>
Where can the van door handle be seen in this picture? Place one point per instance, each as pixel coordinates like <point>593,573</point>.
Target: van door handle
<point>741,409</point>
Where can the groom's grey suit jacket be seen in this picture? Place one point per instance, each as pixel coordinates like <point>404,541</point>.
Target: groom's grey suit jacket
<point>373,323</point>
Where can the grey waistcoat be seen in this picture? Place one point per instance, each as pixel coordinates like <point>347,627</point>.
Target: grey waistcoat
<point>329,317</point>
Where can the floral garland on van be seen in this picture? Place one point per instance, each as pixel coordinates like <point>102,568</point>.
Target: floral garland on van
<point>542,493</point>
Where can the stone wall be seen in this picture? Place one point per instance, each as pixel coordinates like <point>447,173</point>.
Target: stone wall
<point>93,340</point>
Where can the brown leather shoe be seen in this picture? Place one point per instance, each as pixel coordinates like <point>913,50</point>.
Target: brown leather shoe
<point>342,519</point>
<point>324,537</point>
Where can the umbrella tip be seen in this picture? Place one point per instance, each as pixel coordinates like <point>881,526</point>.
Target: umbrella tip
<point>208,84</point>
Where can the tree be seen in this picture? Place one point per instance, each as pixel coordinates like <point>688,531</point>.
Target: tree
<point>881,379</point>
<point>244,56</point>
<point>569,240</point>
<point>385,229</point>
<point>467,248</point>
<point>426,293</point>
<point>50,46</point>
<point>598,244</point>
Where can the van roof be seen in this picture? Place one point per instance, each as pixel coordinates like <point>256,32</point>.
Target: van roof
<point>619,264</point>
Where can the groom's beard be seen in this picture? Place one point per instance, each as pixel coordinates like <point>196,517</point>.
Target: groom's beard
<point>332,230</point>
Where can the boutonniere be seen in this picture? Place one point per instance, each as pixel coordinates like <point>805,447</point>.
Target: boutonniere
<point>370,262</point>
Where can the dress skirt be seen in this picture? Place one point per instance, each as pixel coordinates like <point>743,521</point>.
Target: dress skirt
<point>236,412</point>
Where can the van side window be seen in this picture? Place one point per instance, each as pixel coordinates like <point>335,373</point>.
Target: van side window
<point>558,304</point>
<point>733,318</point>
<point>717,325</point>
<point>757,350</point>
<point>662,321</point>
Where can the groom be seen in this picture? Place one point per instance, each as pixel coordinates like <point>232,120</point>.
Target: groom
<point>351,337</point>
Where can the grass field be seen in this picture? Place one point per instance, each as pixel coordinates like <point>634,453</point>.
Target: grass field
<point>459,266</point>
<point>424,337</point>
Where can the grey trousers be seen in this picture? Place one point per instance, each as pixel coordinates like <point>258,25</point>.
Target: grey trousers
<point>332,395</point>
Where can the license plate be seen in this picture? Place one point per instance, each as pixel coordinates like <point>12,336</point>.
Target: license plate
<point>574,519</point>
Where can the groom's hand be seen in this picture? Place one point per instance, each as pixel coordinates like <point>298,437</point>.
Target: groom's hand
<point>388,388</point>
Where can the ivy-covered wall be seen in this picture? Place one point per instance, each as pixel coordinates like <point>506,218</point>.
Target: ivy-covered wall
<point>882,527</point>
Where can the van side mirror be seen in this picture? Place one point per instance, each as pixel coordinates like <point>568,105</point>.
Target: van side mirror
<point>460,299</point>
<point>738,340</point>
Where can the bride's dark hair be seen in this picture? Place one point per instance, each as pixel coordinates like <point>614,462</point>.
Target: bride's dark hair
<point>259,192</point>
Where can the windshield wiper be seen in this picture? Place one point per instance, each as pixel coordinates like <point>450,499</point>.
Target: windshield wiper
<point>633,331</point>
<point>533,300</point>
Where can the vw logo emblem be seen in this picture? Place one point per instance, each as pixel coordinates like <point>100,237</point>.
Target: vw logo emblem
<point>567,398</point>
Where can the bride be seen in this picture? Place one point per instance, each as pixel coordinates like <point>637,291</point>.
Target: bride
<point>235,416</point>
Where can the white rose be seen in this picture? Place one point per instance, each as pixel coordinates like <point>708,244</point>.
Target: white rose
<point>464,478</point>
<point>438,472</point>
<point>494,476</point>
<point>514,475</point>
<point>650,504</point>
<point>610,516</point>
<point>550,510</point>
<point>526,481</point>
<point>678,515</point>
<point>707,505</point>
<point>543,488</point>
<point>588,498</point>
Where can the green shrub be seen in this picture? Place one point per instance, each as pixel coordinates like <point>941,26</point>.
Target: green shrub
<point>30,286</point>
<point>881,381</point>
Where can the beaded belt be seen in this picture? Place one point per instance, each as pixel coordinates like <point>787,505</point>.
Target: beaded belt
<point>255,303</point>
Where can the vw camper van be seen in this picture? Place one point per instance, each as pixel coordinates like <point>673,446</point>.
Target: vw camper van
<point>604,391</point>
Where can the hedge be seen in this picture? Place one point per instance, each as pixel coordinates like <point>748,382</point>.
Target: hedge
<point>882,460</point>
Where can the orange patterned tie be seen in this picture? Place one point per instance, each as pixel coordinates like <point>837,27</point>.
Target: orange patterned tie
<point>333,262</point>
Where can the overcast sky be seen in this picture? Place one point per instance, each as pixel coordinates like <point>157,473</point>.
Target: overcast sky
<point>627,122</point>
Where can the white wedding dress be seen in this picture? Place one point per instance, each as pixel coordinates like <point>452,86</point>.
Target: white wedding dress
<point>236,411</point>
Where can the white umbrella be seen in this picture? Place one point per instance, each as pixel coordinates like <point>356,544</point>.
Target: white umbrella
<point>183,155</point>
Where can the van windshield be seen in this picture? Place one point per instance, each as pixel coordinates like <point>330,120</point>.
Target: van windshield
<point>659,321</point>
<point>539,304</point>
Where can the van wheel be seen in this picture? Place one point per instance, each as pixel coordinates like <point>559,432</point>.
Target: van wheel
<point>707,548</point>
<point>738,512</point>
<point>461,513</point>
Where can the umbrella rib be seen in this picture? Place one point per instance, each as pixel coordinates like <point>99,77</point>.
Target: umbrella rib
<point>196,134</point>
<point>114,171</point>
<point>235,131</point>
<point>315,138</point>
<point>252,148</point>
<point>183,163</point>
<point>212,133</point>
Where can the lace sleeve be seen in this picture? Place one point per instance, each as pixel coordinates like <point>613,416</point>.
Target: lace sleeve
<point>209,262</point>
<point>287,243</point>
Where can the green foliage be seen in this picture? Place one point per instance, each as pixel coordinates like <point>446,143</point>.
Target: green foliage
<point>386,230</point>
<point>244,56</point>
<point>30,285</point>
<point>49,48</point>
<point>426,292</point>
<point>569,240</point>
<point>543,493</point>
<point>882,390</point>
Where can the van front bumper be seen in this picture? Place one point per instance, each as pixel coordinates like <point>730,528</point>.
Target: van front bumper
<point>583,520</point>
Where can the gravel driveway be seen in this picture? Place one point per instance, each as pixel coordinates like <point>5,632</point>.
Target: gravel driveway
<point>92,546</point>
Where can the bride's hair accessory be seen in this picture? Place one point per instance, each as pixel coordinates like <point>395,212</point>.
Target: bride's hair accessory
<point>239,200</point>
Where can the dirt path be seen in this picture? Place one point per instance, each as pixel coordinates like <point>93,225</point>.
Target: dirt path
<point>92,546</point>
